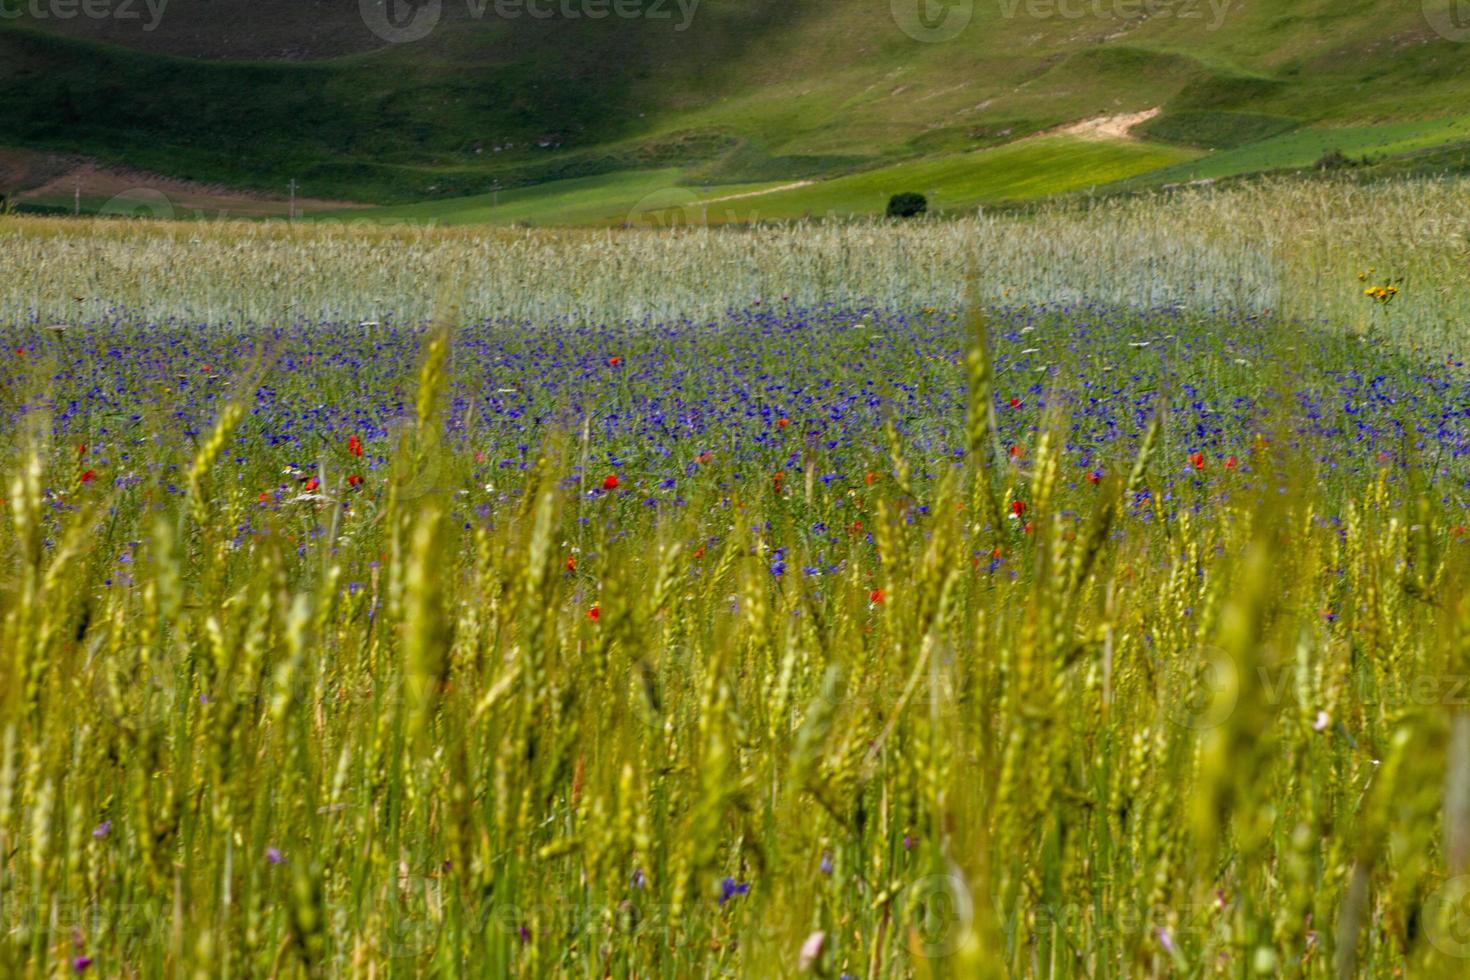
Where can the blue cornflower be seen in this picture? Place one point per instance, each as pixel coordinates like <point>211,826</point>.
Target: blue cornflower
<point>729,888</point>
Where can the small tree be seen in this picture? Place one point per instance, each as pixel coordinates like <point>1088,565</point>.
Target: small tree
<point>907,205</point>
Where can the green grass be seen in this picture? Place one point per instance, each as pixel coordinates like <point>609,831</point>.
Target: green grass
<point>773,92</point>
<point>1030,169</point>
<point>640,196</point>
<point>1304,147</point>
<point>1215,130</point>
<point>1019,171</point>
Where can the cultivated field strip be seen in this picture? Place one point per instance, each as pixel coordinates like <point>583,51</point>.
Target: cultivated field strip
<point>1288,247</point>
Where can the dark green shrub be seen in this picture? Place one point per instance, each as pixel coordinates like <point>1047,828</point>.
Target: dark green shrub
<point>907,205</point>
<point>1335,160</point>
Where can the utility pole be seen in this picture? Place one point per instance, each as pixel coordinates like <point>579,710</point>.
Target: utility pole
<point>291,213</point>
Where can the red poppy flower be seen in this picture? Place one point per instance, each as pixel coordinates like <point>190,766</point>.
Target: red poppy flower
<point>354,445</point>
<point>354,480</point>
<point>89,476</point>
<point>1015,403</point>
<point>82,449</point>
<point>614,361</point>
<point>699,552</point>
<point>1094,477</point>
<point>610,482</point>
<point>265,495</point>
<point>1197,460</point>
<point>571,563</point>
<point>869,477</point>
<point>1016,451</point>
<point>876,596</point>
<point>594,613</point>
<point>705,457</point>
<point>782,422</point>
<point>1232,463</point>
<point>312,483</point>
<point>777,477</point>
<point>1018,507</point>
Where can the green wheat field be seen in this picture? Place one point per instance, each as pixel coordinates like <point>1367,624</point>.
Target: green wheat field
<point>1082,591</point>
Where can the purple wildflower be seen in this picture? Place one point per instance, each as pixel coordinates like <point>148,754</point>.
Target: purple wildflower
<point>729,888</point>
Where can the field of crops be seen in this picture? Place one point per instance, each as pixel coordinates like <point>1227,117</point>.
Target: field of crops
<point>1079,593</point>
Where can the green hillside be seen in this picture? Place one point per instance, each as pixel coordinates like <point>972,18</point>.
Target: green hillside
<point>1023,170</point>
<point>719,94</point>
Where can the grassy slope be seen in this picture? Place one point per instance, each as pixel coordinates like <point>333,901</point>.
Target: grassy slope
<point>754,91</point>
<point>1028,169</point>
<point>1023,170</point>
<point>1305,147</point>
<point>607,199</point>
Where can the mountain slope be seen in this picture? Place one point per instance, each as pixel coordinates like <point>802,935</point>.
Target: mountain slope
<point>256,93</point>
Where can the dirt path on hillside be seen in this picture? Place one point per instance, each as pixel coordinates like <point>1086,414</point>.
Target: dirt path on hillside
<point>1119,127</point>
<point>769,190</point>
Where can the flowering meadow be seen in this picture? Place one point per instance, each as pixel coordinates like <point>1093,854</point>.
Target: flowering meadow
<point>952,632</point>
